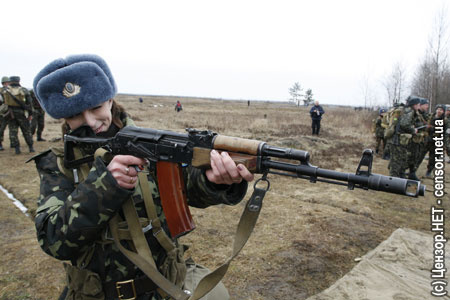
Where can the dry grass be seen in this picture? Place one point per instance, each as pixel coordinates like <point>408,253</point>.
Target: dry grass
<point>307,236</point>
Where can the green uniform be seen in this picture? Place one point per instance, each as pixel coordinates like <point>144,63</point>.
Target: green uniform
<point>38,121</point>
<point>422,137</point>
<point>71,220</point>
<point>379,134</point>
<point>404,150</point>
<point>16,116</point>
<point>389,122</point>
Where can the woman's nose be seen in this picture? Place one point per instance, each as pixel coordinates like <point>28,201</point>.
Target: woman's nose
<point>89,119</point>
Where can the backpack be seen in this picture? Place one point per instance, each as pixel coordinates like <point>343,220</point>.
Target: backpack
<point>15,96</point>
<point>390,120</point>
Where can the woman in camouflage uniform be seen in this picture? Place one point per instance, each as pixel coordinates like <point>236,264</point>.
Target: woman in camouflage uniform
<point>73,215</point>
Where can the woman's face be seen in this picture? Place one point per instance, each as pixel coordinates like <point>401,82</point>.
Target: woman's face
<point>98,118</point>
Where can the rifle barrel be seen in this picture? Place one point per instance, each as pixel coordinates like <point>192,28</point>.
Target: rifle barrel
<point>372,181</point>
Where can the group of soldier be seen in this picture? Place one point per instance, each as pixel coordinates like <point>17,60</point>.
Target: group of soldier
<point>405,133</point>
<point>19,109</point>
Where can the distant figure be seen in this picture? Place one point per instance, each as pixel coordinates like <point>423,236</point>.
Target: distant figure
<point>38,121</point>
<point>316,113</point>
<point>248,103</point>
<point>141,100</point>
<point>178,106</point>
<point>379,132</point>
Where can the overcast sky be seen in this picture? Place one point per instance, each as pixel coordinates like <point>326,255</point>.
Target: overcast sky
<point>225,49</point>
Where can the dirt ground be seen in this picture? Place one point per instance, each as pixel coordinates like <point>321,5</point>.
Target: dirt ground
<point>308,234</point>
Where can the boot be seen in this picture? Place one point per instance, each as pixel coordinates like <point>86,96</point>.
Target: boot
<point>1,147</point>
<point>31,148</point>
<point>17,149</point>
<point>40,139</point>
<point>413,176</point>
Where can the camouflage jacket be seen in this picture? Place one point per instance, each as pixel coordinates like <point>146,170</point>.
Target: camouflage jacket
<point>71,219</point>
<point>408,121</point>
<point>379,130</point>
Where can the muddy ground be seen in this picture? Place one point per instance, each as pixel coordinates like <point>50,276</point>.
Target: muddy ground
<point>308,234</point>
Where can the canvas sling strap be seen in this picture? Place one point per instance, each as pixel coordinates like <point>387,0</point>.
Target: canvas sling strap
<point>143,258</point>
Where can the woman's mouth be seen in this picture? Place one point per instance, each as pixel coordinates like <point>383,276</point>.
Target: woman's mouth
<point>99,129</point>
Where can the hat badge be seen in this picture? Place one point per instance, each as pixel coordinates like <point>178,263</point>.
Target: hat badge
<point>70,90</point>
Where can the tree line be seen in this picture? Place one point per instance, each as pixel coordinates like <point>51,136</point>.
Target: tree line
<point>430,79</point>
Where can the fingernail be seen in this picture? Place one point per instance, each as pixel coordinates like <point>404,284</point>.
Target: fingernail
<point>214,152</point>
<point>240,168</point>
<point>224,153</point>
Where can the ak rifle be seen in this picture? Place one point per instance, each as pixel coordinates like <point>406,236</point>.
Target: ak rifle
<point>169,150</point>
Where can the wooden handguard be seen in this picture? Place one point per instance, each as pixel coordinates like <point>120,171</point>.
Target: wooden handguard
<point>173,198</point>
<point>242,151</point>
<point>234,144</point>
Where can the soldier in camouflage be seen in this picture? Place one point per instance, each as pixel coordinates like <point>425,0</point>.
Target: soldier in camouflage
<point>403,150</point>
<point>389,122</point>
<point>379,132</point>
<point>423,135</point>
<point>3,120</point>
<point>38,121</point>
<point>19,101</point>
<point>73,214</point>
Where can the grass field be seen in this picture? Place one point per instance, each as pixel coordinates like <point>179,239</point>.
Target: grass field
<point>308,235</point>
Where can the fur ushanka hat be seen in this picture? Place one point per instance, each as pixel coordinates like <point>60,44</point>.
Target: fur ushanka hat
<point>68,86</point>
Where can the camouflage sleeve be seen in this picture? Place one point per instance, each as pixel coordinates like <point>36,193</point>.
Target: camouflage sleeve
<point>201,193</point>
<point>68,218</point>
<point>406,123</point>
<point>28,101</point>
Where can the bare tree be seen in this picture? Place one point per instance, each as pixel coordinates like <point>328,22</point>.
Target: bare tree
<point>422,83</point>
<point>395,84</point>
<point>367,91</point>
<point>431,77</point>
<point>295,92</point>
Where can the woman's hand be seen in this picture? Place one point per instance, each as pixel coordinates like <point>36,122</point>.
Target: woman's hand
<point>122,168</point>
<point>224,170</point>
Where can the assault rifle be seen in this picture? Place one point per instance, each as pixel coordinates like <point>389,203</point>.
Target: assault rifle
<point>170,149</point>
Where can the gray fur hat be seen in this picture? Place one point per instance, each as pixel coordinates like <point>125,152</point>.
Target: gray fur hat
<point>412,100</point>
<point>14,78</point>
<point>68,86</point>
<point>424,101</point>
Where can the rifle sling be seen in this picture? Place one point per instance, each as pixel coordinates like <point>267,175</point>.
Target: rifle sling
<point>245,228</point>
<point>150,208</point>
<point>243,232</point>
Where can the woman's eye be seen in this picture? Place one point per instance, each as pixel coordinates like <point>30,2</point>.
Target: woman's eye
<point>97,107</point>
